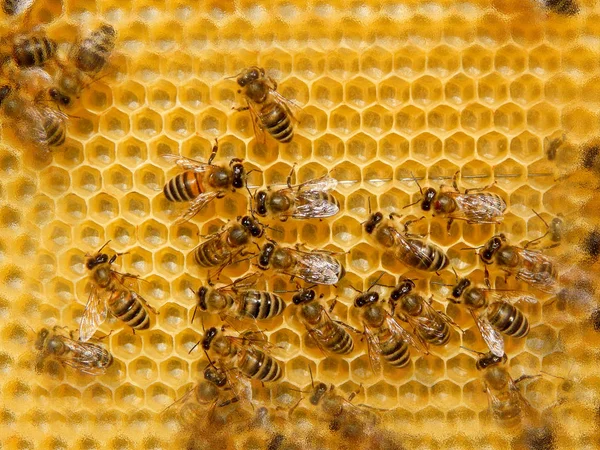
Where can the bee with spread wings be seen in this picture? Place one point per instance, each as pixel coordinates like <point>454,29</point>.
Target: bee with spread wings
<point>494,312</point>
<point>84,356</point>
<point>309,200</point>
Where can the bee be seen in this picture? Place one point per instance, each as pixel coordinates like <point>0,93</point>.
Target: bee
<point>553,235</point>
<point>33,50</point>
<point>330,335</point>
<point>84,356</point>
<point>591,244</point>
<point>86,59</point>
<point>386,339</point>
<point>315,266</point>
<point>111,291</point>
<point>239,300</point>
<point>531,266</point>
<point>309,200</point>
<point>15,7</point>
<point>412,252</point>
<point>473,207</point>
<point>553,145</point>
<point>430,326</point>
<point>200,183</point>
<point>270,111</point>
<point>494,312</point>
<point>242,354</point>
<point>42,126</point>
<point>563,7</point>
<point>222,246</point>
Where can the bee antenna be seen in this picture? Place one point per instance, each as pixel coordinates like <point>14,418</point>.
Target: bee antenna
<point>376,281</point>
<point>312,381</point>
<point>210,363</point>
<point>437,283</point>
<point>105,244</point>
<point>540,217</point>
<point>194,347</point>
<point>202,322</point>
<point>369,205</point>
<point>416,181</point>
<point>472,248</point>
<point>472,351</point>
<point>194,315</point>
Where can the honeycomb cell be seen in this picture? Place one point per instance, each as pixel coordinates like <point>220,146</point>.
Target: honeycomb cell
<point>426,147</point>
<point>146,123</point>
<point>360,92</point>
<point>393,92</point>
<point>125,345</point>
<point>73,207</point>
<point>460,89</point>
<point>445,395</point>
<point>98,98</point>
<point>542,340</point>
<point>413,395</point>
<point>477,60</point>
<point>443,61</point>
<point>443,118</point>
<point>90,233</point>
<point>129,397</point>
<point>492,146</point>
<point>377,121</point>
<point>118,179</point>
<point>526,147</point>
<point>476,117</point>
<point>426,90</point>
<point>114,124</point>
<point>542,117</point>
<point>329,149</point>
<point>130,96</point>
<point>509,118</point>
<point>510,60</point>
<point>312,121</point>
<point>410,120</point>
<point>309,64</point>
<point>211,123</point>
<point>544,60</point>
<point>342,63</point>
<point>344,120</point>
<point>409,62</point>
<point>526,89</point>
<point>57,181</point>
<point>143,371</point>
<point>492,89</point>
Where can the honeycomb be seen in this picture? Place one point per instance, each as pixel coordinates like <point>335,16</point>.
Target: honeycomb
<point>392,92</point>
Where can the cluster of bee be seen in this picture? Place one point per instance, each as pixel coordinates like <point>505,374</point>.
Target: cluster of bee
<point>38,81</point>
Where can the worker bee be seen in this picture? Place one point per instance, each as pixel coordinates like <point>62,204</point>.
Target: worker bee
<point>385,336</point>
<point>412,252</point>
<point>32,50</point>
<point>591,245</point>
<point>563,7</point>
<point>330,335</point>
<point>200,183</point>
<point>239,300</point>
<point>268,108</point>
<point>430,326</point>
<point>242,353</point>
<point>16,7</point>
<point>531,266</point>
<point>473,207</point>
<point>84,356</point>
<point>112,291</point>
<point>494,312</point>
<point>32,123</point>
<point>315,266</point>
<point>86,59</point>
<point>222,246</point>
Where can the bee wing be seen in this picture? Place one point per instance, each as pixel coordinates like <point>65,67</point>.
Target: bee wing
<point>544,280</point>
<point>314,267</point>
<point>478,208</point>
<point>259,131</point>
<point>311,204</point>
<point>246,282</point>
<point>84,356</point>
<point>93,316</point>
<point>409,246</point>
<point>30,127</point>
<point>196,205</point>
<point>373,349</point>
<point>509,296</point>
<point>292,107</point>
<point>492,338</point>
<point>187,163</point>
<point>397,329</point>
<point>441,315</point>
<point>321,184</point>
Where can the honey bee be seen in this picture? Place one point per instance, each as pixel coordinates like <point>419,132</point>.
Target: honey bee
<point>268,108</point>
<point>15,7</point>
<point>242,353</point>
<point>430,326</point>
<point>86,59</point>
<point>32,123</point>
<point>84,356</point>
<point>330,335</point>
<point>553,235</point>
<point>386,339</point>
<point>473,207</point>
<point>222,246</point>
<point>563,7</point>
<point>531,266</point>
<point>309,200</point>
<point>591,245</point>
<point>111,291</point>
<point>412,252</point>
<point>315,266</point>
<point>32,50</point>
<point>240,301</point>
<point>494,312</point>
<point>200,183</point>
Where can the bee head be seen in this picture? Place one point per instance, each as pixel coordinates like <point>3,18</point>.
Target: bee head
<point>403,288</point>
<point>4,92</point>
<point>366,298</point>
<point>252,225</point>
<point>209,336</point>
<point>202,298</point>
<point>264,259</point>
<point>491,248</point>
<point>373,221</point>
<point>238,175</point>
<point>96,260</point>
<point>460,288</point>
<point>489,359</point>
<point>428,197</point>
<point>304,296</point>
<point>249,75</point>
<point>59,97</point>
<point>261,203</point>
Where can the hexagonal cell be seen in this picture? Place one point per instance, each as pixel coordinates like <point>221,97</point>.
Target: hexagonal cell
<point>140,260</point>
<point>135,207</point>
<point>509,117</point>
<point>526,147</point>
<point>492,89</point>
<point>363,259</point>
<point>159,396</point>
<point>97,98</point>
<point>377,120</point>
<point>543,117</point>
<point>477,60</point>
<point>114,124</point>
<point>460,89</point>
<point>132,152</point>
<point>426,147</point>
<point>129,397</point>
<point>476,117</point>
<point>149,179</point>
<point>342,63</point>
<point>309,64</point>
<point>100,151</point>
<point>211,122</point>
<point>346,232</point>
<point>561,89</point>
<point>327,92</point>
<point>510,60</point>
<point>118,178</point>
<point>393,92</point>
<point>376,62</point>
<point>446,395</point>
<point>361,148</point>
<point>313,121</point>
<point>146,123</point>
<point>544,60</point>
<point>90,233</point>
<point>130,96</point>
<point>169,262</point>
<point>143,371</point>
<point>526,89</point>
<point>72,207</point>
<point>410,120</point>
<point>459,147</point>
<point>159,345</point>
<point>542,340</point>
<point>329,149</point>
<point>344,120</point>
<point>426,90</point>
<point>126,345</point>
<point>443,118</point>
<point>409,62</point>
<point>360,92</point>
<point>443,61</point>
<point>86,181</point>
<point>413,395</point>
<point>179,124</point>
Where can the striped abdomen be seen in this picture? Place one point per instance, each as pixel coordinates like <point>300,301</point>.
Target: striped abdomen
<point>212,253</point>
<point>277,121</point>
<point>258,365</point>
<point>395,351</point>
<point>437,333</point>
<point>333,337</point>
<point>422,256</point>
<point>565,7</point>
<point>125,305</point>
<point>260,304</point>
<point>507,319</point>
<point>33,51</point>
<point>55,131</point>
<point>93,53</point>
<point>184,187</point>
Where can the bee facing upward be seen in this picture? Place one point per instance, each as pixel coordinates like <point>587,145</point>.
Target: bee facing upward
<point>270,111</point>
<point>111,291</point>
<point>83,356</point>
<point>200,183</point>
<point>412,252</point>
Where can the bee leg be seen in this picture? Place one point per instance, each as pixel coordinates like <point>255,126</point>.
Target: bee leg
<point>525,377</point>
<point>289,178</point>
<point>481,189</point>
<point>213,153</point>
<point>449,225</point>
<point>241,108</point>
<point>293,408</point>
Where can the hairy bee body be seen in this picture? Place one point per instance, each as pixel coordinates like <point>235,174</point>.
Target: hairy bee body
<point>507,319</point>
<point>185,186</point>
<point>33,50</point>
<point>260,304</point>
<point>276,120</point>
<point>564,7</point>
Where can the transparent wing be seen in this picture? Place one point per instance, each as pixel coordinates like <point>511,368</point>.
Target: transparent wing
<point>537,270</point>
<point>405,244</point>
<point>315,267</point>
<point>29,126</point>
<point>246,282</point>
<point>439,315</point>
<point>322,184</point>
<point>314,205</point>
<point>373,349</point>
<point>187,163</point>
<point>259,131</point>
<point>480,207</point>
<point>93,316</point>
<point>509,296</point>
<point>84,356</point>
<point>292,108</point>
<point>196,205</point>
<point>398,330</point>
<point>492,338</point>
